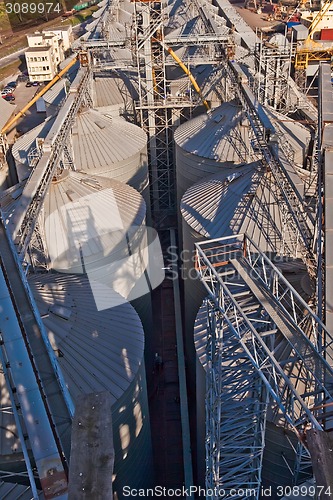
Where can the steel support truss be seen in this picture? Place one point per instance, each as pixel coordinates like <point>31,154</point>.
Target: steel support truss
<point>236,402</point>
<point>277,157</point>
<point>158,113</point>
<point>23,222</point>
<point>287,345</point>
<point>273,66</point>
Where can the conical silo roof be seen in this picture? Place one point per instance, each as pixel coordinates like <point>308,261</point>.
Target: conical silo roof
<point>97,350</point>
<point>217,205</point>
<point>101,143</point>
<point>246,200</point>
<point>91,222</point>
<point>113,92</point>
<point>212,135</point>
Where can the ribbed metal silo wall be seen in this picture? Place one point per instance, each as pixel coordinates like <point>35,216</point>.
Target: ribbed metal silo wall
<point>143,306</point>
<point>103,350</point>
<point>134,172</point>
<point>132,439</point>
<point>200,341</point>
<point>191,168</point>
<point>194,293</point>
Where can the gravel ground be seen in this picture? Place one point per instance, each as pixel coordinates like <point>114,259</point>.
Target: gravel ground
<point>253,19</point>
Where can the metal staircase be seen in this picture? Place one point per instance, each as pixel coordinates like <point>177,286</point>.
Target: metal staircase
<point>236,404</point>
<point>285,342</point>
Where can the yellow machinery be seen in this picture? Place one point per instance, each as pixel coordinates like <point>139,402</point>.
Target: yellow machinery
<point>37,96</point>
<point>186,71</point>
<point>312,50</point>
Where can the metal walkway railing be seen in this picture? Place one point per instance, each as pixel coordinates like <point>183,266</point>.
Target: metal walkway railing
<point>285,342</point>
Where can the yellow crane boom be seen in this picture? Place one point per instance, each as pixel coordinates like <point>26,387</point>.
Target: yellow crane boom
<point>186,70</point>
<point>318,17</point>
<point>37,96</point>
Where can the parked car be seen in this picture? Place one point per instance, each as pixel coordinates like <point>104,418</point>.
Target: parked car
<point>29,84</point>
<point>12,85</point>
<point>22,78</point>
<point>8,97</point>
<point>11,89</point>
<point>6,91</point>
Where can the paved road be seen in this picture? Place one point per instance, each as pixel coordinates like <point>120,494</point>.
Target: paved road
<point>5,61</point>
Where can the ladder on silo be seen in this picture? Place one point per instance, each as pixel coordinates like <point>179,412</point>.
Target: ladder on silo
<point>285,342</point>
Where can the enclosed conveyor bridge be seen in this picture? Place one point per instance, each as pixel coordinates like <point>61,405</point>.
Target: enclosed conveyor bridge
<point>38,392</point>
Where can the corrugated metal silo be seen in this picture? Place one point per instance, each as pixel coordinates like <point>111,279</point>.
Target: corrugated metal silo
<point>114,95</point>
<point>97,351</point>
<point>222,205</point>
<point>211,208</point>
<point>111,147</point>
<point>102,350</point>
<point>209,142</point>
<point>96,225</point>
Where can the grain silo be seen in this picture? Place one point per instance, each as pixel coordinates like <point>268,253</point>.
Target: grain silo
<point>114,95</point>
<point>111,147</point>
<point>98,351</point>
<point>224,204</point>
<point>213,207</point>
<point>97,226</point>
<point>209,142</point>
<point>220,205</point>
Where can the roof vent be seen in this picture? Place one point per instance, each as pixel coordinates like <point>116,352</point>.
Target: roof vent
<point>61,311</point>
<point>100,124</point>
<point>219,118</point>
<point>91,182</point>
<point>72,195</point>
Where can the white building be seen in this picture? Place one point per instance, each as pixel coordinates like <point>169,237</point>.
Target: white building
<point>46,51</point>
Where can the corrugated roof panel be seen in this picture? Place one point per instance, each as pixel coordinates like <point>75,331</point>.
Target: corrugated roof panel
<point>99,148</point>
<point>27,141</point>
<point>97,350</point>
<point>97,228</point>
<point>211,207</point>
<point>113,91</point>
<point>218,206</point>
<point>204,137</point>
<point>74,195</point>
<point>297,135</point>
